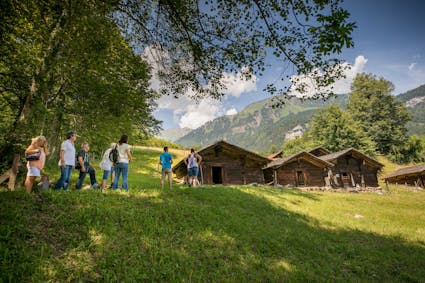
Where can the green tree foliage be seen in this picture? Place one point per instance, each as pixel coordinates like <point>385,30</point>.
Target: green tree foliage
<point>381,117</point>
<point>304,143</point>
<point>65,65</point>
<point>231,35</point>
<point>337,130</point>
<point>412,151</point>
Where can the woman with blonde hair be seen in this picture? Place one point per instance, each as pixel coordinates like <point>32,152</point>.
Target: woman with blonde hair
<point>36,156</point>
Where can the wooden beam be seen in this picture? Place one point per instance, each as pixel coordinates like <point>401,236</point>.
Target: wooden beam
<point>12,172</point>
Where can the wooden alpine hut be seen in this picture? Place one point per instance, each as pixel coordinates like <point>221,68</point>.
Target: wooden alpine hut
<point>225,163</point>
<point>352,168</point>
<point>413,175</point>
<point>300,169</point>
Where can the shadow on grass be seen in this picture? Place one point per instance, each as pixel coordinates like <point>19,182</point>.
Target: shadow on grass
<point>293,192</point>
<point>204,234</point>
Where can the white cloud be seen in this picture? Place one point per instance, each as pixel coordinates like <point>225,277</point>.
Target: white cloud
<point>416,77</point>
<point>232,111</point>
<point>235,85</point>
<point>339,87</point>
<point>412,66</point>
<point>188,113</point>
<point>343,85</point>
<point>195,115</point>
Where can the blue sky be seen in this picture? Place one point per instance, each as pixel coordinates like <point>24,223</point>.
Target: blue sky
<point>389,42</point>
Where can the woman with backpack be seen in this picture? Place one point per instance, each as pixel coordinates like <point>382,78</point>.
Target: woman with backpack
<point>107,165</point>
<point>121,167</point>
<point>192,162</point>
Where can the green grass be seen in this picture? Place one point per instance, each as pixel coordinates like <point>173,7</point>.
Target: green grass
<point>210,234</point>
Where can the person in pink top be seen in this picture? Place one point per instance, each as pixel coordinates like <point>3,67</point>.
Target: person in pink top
<point>38,144</point>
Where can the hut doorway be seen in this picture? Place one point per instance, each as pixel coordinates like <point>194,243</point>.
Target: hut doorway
<point>300,178</point>
<point>217,176</point>
<point>346,179</point>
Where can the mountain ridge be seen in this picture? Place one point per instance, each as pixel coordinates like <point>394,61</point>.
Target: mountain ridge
<point>260,127</point>
<point>415,101</point>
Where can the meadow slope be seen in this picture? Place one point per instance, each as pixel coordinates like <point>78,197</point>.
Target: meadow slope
<point>210,233</point>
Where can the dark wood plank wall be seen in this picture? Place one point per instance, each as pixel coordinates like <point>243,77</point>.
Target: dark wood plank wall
<point>350,172</point>
<point>239,168</point>
<point>413,179</point>
<point>313,175</point>
<point>236,167</point>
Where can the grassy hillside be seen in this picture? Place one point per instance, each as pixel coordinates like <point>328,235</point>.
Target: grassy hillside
<point>210,234</point>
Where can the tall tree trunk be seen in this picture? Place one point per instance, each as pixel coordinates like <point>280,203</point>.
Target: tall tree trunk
<point>27,109</point>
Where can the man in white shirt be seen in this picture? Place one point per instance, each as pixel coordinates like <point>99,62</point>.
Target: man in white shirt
<point>67,160</point>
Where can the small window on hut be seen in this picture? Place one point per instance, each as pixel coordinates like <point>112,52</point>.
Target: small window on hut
<point>344,175</point>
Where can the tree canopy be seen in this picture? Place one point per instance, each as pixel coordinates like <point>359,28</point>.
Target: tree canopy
<point>200,40</point>
<point>337,130</point>
<point>65,65</point>
<point>381,117</point>
<point>334,129</point>
<point>77,64</point>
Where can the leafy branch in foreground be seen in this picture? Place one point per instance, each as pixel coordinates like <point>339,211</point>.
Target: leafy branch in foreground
<point>197,41</point>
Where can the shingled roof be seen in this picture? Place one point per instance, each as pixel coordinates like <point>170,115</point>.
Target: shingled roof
<point>275,155</point>
<point>355,153</point>
<point>412,170</point>
<point>319,151</point>
<point>299,155</point>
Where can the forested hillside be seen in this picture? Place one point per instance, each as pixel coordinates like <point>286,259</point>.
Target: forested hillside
<point>259,126</point>
<point>173,134</point>
<point>415,101</point>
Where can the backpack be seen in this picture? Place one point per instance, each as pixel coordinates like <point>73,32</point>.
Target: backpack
<point>77,164</point>
<point>192,160</point>
<point>113,155</point>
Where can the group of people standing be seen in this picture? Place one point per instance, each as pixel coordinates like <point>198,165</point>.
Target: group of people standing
<point>69,160</point>
<point>192,161</point>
